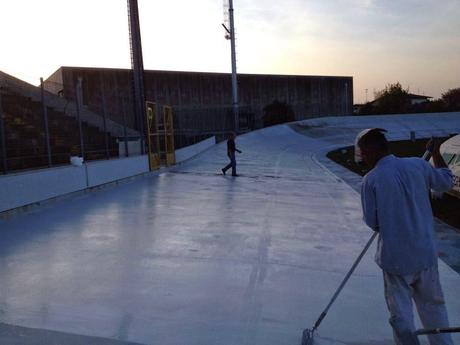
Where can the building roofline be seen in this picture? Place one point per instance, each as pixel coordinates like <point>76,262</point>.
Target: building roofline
<point>200,72</point>
<point>413,95</point>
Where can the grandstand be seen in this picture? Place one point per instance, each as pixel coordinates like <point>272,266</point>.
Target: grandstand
<point>23,129</point>
<point>26,140</point>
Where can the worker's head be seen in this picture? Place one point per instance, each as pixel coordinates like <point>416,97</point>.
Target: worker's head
<point>371,146</point>
<point>231,135</point>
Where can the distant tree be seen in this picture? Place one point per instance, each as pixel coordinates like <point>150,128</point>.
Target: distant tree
<point>396,100</point>
<point>277,112</point>
<point>452,99</point>
<point>392,100</point>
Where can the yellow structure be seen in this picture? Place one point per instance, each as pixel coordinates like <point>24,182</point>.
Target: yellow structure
<point>153,136</point>
<point>169,135</point>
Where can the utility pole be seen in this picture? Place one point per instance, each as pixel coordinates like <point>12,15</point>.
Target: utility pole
<point>231,36</point>
<point>137,65</point>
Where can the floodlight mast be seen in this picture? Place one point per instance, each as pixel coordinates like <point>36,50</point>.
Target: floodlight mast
<point>231,35</point>
<point>137,66</point>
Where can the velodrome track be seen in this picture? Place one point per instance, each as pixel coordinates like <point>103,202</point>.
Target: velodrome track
<point>189,256</point>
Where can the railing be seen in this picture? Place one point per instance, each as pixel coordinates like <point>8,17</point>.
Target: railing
<point>33,135</point>
<point>40,128</point>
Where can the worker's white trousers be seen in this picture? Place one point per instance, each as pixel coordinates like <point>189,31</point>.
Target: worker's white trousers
<point>425,290</point>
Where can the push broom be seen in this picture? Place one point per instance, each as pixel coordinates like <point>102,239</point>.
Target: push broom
<point>307,335</point>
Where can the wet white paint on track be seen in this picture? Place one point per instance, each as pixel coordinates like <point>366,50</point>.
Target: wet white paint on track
<point>194,257</point>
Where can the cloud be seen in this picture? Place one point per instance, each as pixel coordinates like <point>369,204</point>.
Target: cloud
<point>363,3</point>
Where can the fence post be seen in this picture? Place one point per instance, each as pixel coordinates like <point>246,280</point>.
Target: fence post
<point>124,126</point>
<point>45,120</point>
<point>2,135</point>
<point>104,115</point>
<point>79,103</point>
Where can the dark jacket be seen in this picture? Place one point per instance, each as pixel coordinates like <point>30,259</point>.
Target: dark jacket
<point>231,148</point>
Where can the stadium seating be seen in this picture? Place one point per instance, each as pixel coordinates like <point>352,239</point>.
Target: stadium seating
<point>25,135</point>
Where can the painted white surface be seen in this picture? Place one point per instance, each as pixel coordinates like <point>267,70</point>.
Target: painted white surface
<point>452,146</point>
<point>39,185</point>
<point>194,257</point>
<point>26,188</point>
<point>190,151</point>
<point>29,187</point>
<point>112,170</point>
<point>398,126</point>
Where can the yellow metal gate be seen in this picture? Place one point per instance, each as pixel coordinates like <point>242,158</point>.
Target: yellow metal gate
<point>169,135</point>
<point>153,136</point>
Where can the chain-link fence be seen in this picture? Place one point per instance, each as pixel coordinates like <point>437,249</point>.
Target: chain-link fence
<point>193,124</point>
<point>42,129</point>
<point>47,125</point>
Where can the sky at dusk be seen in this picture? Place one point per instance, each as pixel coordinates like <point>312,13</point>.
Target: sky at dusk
<point>415,42</point>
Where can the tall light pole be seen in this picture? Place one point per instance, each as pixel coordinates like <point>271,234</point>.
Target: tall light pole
<point>231,36</point>
<point>137,66</point>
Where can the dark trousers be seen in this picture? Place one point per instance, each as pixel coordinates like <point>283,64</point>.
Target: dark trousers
<point>232,163</point>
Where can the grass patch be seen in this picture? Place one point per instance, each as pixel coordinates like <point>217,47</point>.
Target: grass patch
<point>446,209</point>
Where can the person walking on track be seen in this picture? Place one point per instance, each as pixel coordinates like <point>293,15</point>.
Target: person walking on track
<point>231,149</point>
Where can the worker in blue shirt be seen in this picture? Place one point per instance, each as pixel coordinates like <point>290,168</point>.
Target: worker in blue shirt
<point>395,201</point>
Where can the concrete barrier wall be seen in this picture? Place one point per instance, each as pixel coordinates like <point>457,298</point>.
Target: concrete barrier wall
<point>27,188</point>
<point>30,187</point>
<point>190,151</point>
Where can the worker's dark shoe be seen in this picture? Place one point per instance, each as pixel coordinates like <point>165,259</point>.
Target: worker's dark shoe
<point>223,171</point>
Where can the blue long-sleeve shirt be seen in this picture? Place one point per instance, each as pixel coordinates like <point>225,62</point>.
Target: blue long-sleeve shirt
<point>395,201</point>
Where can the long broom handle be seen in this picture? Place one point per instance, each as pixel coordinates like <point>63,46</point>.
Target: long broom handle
<point>438,330</point>
<point>350,272</point>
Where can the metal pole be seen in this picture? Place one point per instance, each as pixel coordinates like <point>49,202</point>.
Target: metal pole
<point>138,69</point>
<point>344,281</point>
<point>346,99</point>
<point>79,102</point>
<point>45,120</point>
<point>234,79</point>
<point>3,137</point>
<point>124,127</point>
<point>104,116</point>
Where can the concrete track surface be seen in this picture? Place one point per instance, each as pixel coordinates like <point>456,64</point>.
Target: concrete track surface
<point>193,257</point>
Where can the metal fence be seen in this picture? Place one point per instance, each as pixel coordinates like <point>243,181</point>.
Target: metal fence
<point>41,128</point>
<point>193,124</point>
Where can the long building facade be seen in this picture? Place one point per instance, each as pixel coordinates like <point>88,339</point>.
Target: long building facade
<point>196,95</point>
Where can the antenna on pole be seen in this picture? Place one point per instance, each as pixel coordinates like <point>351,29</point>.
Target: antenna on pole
<point>226,23</point>
<point>229,27</point>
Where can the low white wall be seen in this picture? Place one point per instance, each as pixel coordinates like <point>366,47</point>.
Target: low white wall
<point>192,150</point>
<point>108,171</point>
<point>21,189</point>
<point>27,188</point>
<point>30,187</point>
